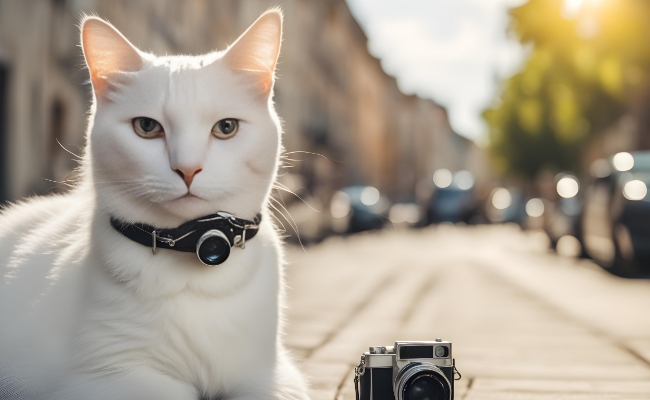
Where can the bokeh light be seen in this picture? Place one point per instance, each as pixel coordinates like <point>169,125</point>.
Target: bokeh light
<point>501,199</point>
<point>442,178</point>
<point>568,187</point>
<point>409,213</point>
<point>635,190</point>
<point>340,205</point>
<point>623,161</point>
<point>370,196</point>
<point>535,208</point>
<point>464,180</point>
<point>600,168</point>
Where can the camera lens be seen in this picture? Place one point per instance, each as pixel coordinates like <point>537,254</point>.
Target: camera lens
<point>421,381</point>
<point>213,247</point>
<point>427,387</point>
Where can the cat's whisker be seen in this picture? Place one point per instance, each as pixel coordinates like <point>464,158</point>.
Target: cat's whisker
<point>286,189</point>
<point>68,185</point>
<point>312,153</point>
<point>272,214</point>
<point>290,220</point>
<point>293,159</point>
<point>78,157</point>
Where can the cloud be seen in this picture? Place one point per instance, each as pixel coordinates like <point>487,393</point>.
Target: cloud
<point>451,51</point>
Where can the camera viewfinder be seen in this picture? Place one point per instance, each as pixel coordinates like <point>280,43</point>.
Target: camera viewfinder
<point>410,352</point>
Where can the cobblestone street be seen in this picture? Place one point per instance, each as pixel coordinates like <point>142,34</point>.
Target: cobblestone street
<point>525,323</point>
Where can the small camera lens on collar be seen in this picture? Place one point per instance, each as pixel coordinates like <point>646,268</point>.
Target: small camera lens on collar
<point>213,248</point>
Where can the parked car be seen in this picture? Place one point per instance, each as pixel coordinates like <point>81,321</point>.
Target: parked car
<point>562,216</point>
<point>506,205</point>
<point>357,209</point>
<point>452,199</point>
<point>450,204</point>
<point>616,215</point>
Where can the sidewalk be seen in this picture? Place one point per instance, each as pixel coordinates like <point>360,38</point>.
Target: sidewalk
<point>525,323</point>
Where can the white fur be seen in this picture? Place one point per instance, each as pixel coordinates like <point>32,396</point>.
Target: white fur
<point>85,313</point>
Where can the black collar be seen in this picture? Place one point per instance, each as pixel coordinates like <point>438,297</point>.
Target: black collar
<point>189,236</point>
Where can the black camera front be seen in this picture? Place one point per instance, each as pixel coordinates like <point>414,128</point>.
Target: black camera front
<point>213,248</point>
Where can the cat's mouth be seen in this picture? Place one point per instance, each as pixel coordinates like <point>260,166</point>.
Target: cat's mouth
<point>188,195</point>
<point>187,206</point>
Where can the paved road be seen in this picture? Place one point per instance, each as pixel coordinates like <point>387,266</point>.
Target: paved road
<point>525,323</point>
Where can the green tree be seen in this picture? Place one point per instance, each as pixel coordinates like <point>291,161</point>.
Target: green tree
<point>584,71</point>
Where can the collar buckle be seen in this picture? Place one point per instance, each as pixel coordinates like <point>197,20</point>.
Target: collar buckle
<point>240,240</point>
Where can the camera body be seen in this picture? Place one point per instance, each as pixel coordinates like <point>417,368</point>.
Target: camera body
<point>407,371</point>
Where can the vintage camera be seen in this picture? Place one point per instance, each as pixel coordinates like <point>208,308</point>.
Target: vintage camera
<point>407,371</point>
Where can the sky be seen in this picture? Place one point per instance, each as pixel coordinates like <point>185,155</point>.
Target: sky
<point>454,52</point>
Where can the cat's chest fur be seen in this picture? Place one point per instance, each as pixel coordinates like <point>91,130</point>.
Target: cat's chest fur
<point>187,332</point>
<point>208,326</point>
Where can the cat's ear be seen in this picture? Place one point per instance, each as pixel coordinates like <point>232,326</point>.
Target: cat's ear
<point>107,52</point>
<point>256,50</point>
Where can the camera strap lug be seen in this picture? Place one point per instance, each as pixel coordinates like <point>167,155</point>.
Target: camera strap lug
<point>358,371</point>
<point>456,371</point>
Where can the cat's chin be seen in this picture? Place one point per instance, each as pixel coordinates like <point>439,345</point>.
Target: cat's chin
<point>188,207</point>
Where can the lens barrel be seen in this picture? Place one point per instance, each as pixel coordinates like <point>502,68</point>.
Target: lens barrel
<point>421,381</point>
<point>213,248</point>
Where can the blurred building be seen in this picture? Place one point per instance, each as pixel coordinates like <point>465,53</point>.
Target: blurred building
<point>333,96</point>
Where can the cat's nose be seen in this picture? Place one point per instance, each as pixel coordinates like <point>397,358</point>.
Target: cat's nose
<point>188,174</point>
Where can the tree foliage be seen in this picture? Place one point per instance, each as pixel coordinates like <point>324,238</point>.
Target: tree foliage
<point>582,74</point>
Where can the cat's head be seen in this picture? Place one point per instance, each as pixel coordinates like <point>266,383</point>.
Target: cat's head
<point>177,137</point>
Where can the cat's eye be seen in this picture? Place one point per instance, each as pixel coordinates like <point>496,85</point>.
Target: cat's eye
<point>147,128</point>
<point>226,128</point>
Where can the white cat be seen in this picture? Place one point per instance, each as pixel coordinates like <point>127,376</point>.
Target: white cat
<point>86,313</point>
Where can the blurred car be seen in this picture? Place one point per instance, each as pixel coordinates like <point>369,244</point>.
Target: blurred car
<point>505,206</point>
<point>562,217</point>
<point>616,216</point>
<point>358,209</point>
<point>450,205</point>
<point>452,199</point>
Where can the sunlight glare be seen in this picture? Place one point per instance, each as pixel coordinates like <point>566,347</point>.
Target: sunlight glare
<point>573,7</point>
